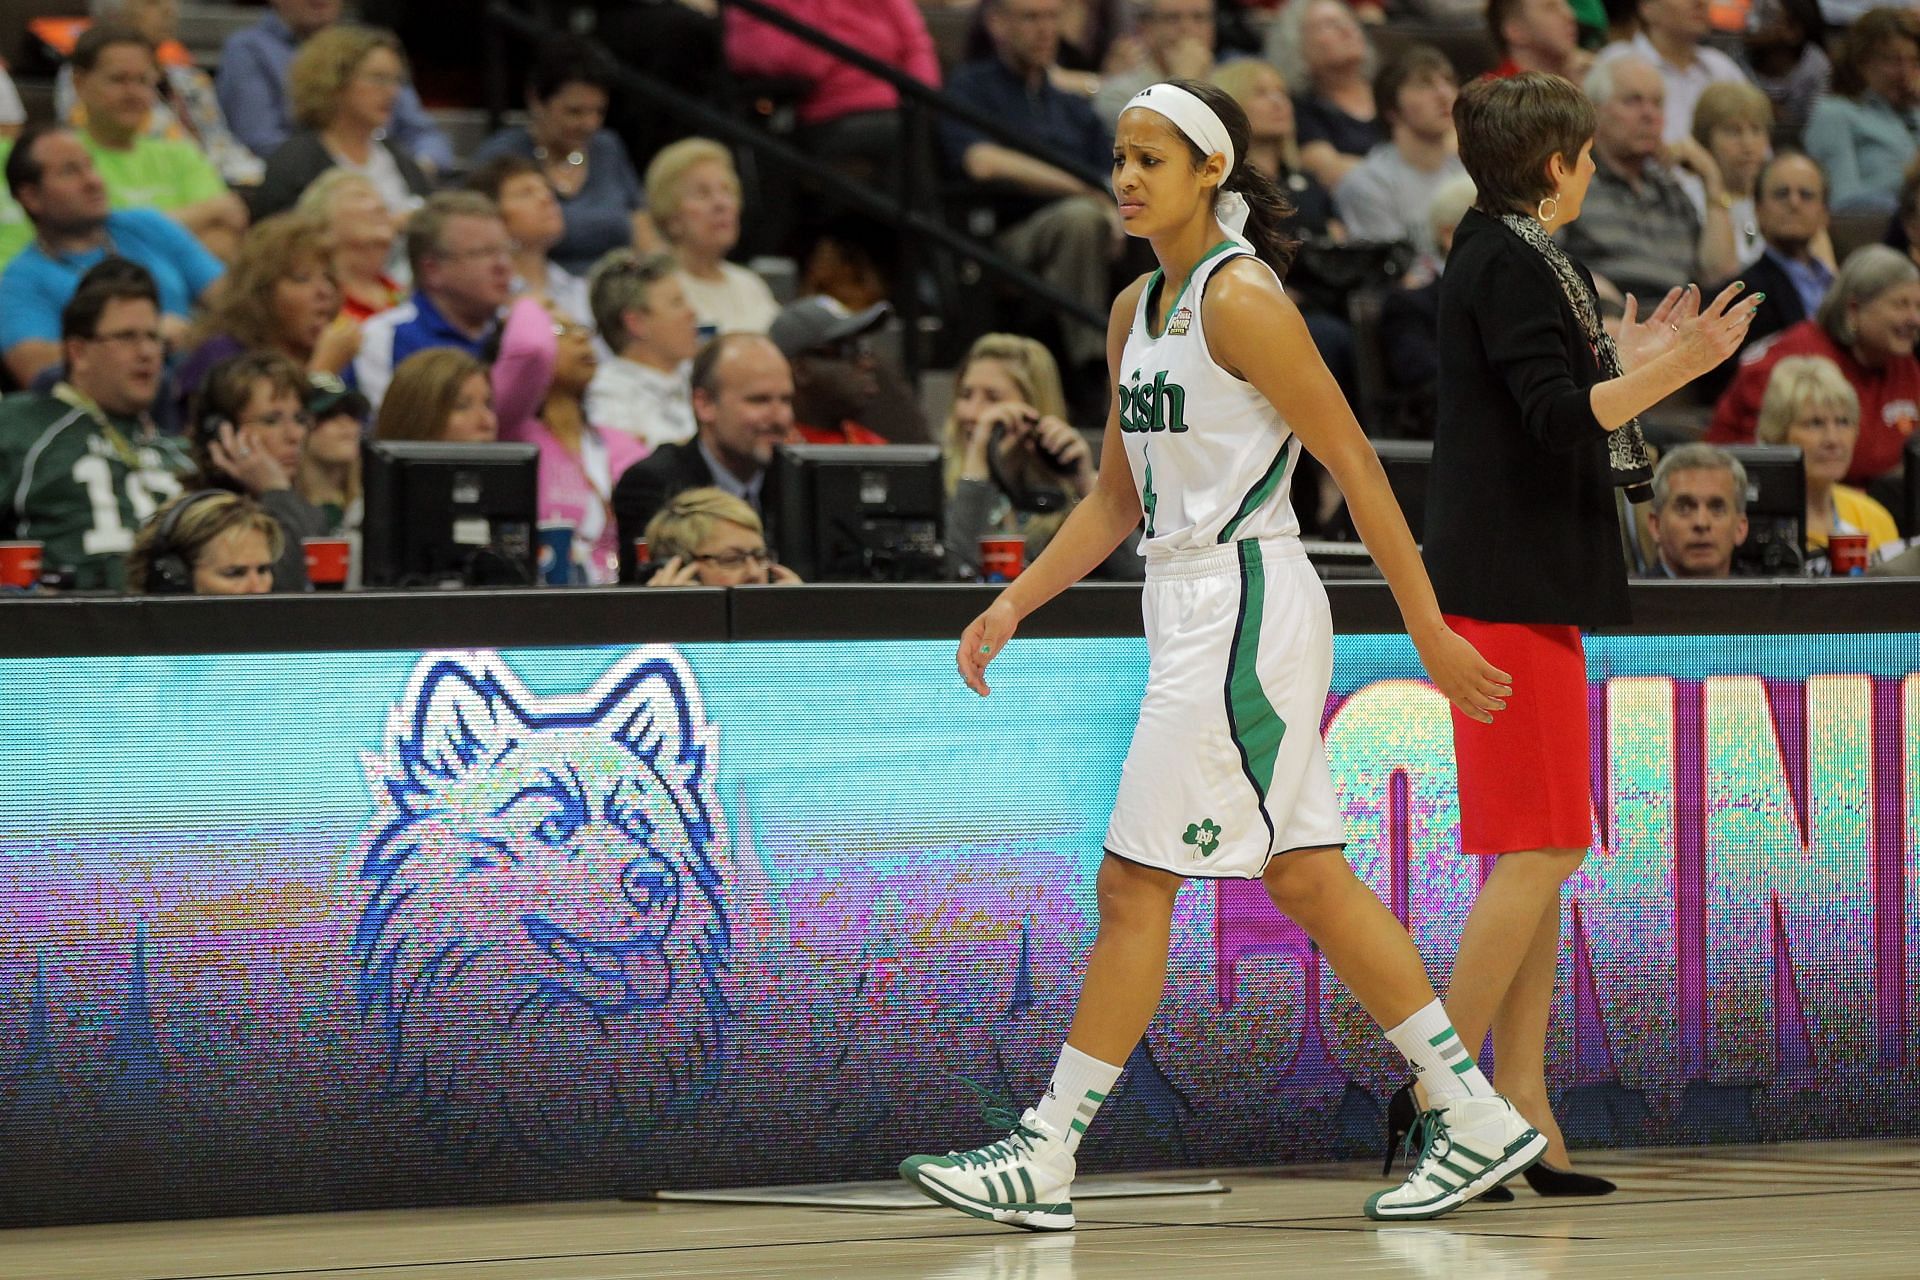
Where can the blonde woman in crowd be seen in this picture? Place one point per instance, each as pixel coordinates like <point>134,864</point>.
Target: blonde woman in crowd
<point>1810,404</point>
<point>361,232</point>
<point>209,543</point>
<point>343,85</point>
<point>1734,122</point>
<point>1011,384</point>
<point>693,193</point>
<point>708,538</point>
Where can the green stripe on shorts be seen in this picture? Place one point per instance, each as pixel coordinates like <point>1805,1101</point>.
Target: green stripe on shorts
<point>1256,726</point>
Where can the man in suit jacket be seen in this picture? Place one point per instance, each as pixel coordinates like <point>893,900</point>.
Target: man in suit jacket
<point>1790,209</point>
<point>743,404</point>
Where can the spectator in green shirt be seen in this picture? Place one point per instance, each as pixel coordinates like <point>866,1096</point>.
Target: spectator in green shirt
<point>115,73</point>
<point>81,467</point>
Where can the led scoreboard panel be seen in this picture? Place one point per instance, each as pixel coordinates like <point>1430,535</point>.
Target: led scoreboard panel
<point>542,910</point>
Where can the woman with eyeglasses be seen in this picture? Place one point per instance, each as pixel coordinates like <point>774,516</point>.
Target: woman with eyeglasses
<point>709,538</point>
<point>249,430</point>
<point>343,85</point>
<point>540,381</point>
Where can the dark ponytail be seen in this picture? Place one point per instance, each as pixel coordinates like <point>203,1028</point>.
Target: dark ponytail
<point>1269,210</point>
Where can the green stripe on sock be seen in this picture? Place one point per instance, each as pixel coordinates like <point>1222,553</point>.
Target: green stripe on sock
<point>1462,1067</point>
<point>1095,1096</point>
<point>1442,1038</point>
<point>1078,1126</point>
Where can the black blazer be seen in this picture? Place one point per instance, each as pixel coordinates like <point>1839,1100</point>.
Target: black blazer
<point>1521,525</point>
<point>1781,309</point>
<point>301,159</point>
<point>649,484</point>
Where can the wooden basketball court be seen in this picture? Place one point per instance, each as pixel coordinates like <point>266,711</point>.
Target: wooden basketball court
<point>1804,1210</point>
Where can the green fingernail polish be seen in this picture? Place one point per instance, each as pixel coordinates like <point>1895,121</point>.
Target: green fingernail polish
<point>986,648</point>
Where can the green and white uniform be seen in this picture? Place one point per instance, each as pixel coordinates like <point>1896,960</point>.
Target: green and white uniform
<point>81,482</point>
<point>1227,767</point>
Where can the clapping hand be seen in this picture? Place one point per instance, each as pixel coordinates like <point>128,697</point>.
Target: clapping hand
<point>1649,339</point>
<point>1717,332</point>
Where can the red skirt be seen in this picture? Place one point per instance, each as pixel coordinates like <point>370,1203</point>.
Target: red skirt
<point>1525,780</point>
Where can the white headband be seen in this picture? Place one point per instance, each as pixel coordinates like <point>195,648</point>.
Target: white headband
<point>1197,121</point>
<point>1189,115</point>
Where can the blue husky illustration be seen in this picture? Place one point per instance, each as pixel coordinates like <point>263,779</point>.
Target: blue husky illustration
<point>545,935</point>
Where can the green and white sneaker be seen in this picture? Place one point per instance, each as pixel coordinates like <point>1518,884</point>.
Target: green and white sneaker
<point>1024,1180</point>
<point>1467,1146</point>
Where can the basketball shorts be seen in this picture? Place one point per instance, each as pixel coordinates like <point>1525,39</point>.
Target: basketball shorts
<point>1227,768</point>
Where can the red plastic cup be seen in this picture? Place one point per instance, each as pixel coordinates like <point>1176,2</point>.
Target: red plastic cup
<point>19,564</point>
<point>327,561</point>
<point>640,555</point>
<point>1847,553</point>
<point>1002,558</point>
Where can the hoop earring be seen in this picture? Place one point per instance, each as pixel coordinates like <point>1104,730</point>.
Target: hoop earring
<point>1546,214</point>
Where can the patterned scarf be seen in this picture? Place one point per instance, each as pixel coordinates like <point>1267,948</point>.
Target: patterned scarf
<point>1626,447</point>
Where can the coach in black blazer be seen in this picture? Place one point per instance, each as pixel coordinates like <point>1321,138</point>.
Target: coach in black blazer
<point>1534,431</point>
<point>651,483</point>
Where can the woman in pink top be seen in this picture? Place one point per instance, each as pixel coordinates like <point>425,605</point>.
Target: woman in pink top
<point>539,384</point>
<point>847,116</point>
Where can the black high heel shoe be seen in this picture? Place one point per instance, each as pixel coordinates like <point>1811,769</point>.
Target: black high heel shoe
<point>1549,1181</point>
<point>1403,1116</point>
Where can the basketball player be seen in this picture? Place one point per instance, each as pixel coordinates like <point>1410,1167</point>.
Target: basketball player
<point>1219,390</point>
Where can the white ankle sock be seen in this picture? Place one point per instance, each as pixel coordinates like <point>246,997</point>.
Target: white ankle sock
<point>1080,1084</point>
<point>1442,1064</point>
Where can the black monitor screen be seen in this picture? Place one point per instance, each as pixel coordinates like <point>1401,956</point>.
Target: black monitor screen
<point>1776,510</point>
<point>441,514</point>
<point>860,513</point>
<point>1910,516</point>
<point>1408,463</point>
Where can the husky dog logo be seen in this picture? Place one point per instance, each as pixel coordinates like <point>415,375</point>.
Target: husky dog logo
<point>544,933</point>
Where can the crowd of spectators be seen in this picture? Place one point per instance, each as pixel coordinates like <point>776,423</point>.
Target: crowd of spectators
<point>220,276</point>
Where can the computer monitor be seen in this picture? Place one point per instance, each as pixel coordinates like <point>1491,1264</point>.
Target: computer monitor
<point>860,513</point>
<point>443,514</point>
<point>1408,464</point>
<point>1776,510</point>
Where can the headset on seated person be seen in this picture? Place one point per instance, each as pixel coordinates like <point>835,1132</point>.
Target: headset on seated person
<point>168,573</point>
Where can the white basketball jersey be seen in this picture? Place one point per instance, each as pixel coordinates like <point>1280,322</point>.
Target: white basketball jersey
<point>1212,459</point>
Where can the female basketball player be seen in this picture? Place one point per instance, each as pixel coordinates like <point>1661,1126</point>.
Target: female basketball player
<point>1219,389</point>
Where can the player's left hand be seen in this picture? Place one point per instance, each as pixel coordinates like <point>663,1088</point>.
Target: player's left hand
<point>985,637</point>
<point>1469,681</point>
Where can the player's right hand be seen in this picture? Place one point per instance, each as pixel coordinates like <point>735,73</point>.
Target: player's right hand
<point>985,637</point>
<point>1469,681</point>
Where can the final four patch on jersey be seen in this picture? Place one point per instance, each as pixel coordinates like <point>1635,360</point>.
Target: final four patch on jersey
<point>1181,321</point>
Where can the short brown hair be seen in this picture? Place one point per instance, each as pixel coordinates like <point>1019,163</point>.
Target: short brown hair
<point>96,40</point>
<point>1870,33</point>
<point>1415,62</point>
<point>623,281</point>
<point>427,225</point>
<point>223,398</point>
<point>1509,129</point>
<point>326,62</point>
<point>491,178</point>
<point>422,394</point>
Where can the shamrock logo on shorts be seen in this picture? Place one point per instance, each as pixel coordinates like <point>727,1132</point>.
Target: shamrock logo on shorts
<point>1203,835</point>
